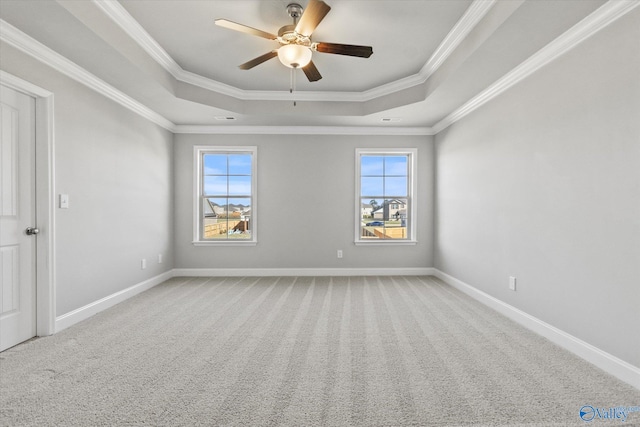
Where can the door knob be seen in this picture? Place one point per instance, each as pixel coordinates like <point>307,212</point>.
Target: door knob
<point>31,231</point>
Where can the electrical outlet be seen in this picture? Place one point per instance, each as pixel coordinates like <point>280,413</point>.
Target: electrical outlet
<point>159,258</point>
<point>143,264</point>
<point>512,283</point>
<point>339,253</point>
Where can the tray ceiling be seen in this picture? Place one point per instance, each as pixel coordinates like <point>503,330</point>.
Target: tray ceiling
<point>431,58</point>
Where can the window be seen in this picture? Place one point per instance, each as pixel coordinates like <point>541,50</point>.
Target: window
<point>385,183</point>
<point>225,195</point>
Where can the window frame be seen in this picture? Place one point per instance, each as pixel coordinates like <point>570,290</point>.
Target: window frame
<point>198,213</point>
<point>412,155</point>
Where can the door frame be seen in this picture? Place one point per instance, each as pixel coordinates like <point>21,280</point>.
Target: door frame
<point>45,201</point>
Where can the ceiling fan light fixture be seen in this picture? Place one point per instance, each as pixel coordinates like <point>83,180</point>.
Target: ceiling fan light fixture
<point>295,40</point>
<point>294,55</point>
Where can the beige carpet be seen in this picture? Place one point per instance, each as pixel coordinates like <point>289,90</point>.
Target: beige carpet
<point>301,351</point>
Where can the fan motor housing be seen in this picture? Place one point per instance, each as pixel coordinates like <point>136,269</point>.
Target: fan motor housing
<point>288,35</point>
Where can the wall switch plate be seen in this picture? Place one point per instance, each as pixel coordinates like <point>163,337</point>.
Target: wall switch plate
<point>143,264</point>
<point>512,283</point>
<point>64,201</point>
<point>339,253</point>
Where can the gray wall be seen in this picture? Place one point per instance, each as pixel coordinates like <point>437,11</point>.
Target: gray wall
<point>543,183</point>
<point>529,185</point>
<point>117,169</point>
<point>306,204</point>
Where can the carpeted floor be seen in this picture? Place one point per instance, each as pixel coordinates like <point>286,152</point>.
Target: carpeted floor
<point>301,351</point>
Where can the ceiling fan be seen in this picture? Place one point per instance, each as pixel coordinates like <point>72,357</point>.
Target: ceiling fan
<point>296,47</point>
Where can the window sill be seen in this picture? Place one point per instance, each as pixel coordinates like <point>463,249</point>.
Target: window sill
<point>386,242</point>
<point>225,243</point>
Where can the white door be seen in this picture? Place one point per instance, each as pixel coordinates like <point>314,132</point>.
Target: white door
<point>17,213</point>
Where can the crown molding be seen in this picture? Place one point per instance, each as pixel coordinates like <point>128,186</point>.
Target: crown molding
<point>603,16</point>
<point>303,130</point>
<point>120,16</point>
<point>458,33</point>
<point>472,16</point>
<point>129,25</point>
<point>596,21</point>
<point>21,41</point>
<point>265,95</point>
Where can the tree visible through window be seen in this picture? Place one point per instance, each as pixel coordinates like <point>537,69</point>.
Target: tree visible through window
<point>226,194</point>
<point>385,195</point>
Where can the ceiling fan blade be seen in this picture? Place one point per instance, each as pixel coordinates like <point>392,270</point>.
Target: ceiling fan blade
<point>311,72</point>
<point>314,13</point>
<point>259,60</point>
<point>244,29</point>
<point>344,49</point>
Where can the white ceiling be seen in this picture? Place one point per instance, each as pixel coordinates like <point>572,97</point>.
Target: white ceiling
<point>214,52</point>
<point>431,57</point>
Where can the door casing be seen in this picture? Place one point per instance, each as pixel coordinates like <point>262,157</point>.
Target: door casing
<point>45,200</point>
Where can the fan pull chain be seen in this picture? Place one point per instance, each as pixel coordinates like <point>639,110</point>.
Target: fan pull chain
<point>295,15</point>
<point>292,84</point>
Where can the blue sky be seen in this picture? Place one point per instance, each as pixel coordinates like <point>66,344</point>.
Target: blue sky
<point>238,164</point>
<point>230,174</point>
<point>227,174</point>
<point>383,176</point>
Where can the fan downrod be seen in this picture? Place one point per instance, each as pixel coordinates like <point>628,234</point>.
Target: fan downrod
<point>287,34</point>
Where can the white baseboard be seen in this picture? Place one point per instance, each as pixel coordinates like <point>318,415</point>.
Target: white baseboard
<point>603,360</point>
<point>262,272</point>
<point>71,318</point>
<point>82,313</point>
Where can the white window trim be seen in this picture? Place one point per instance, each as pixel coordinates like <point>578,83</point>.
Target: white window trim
<point>198,150</point>
<point>413,155</point>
